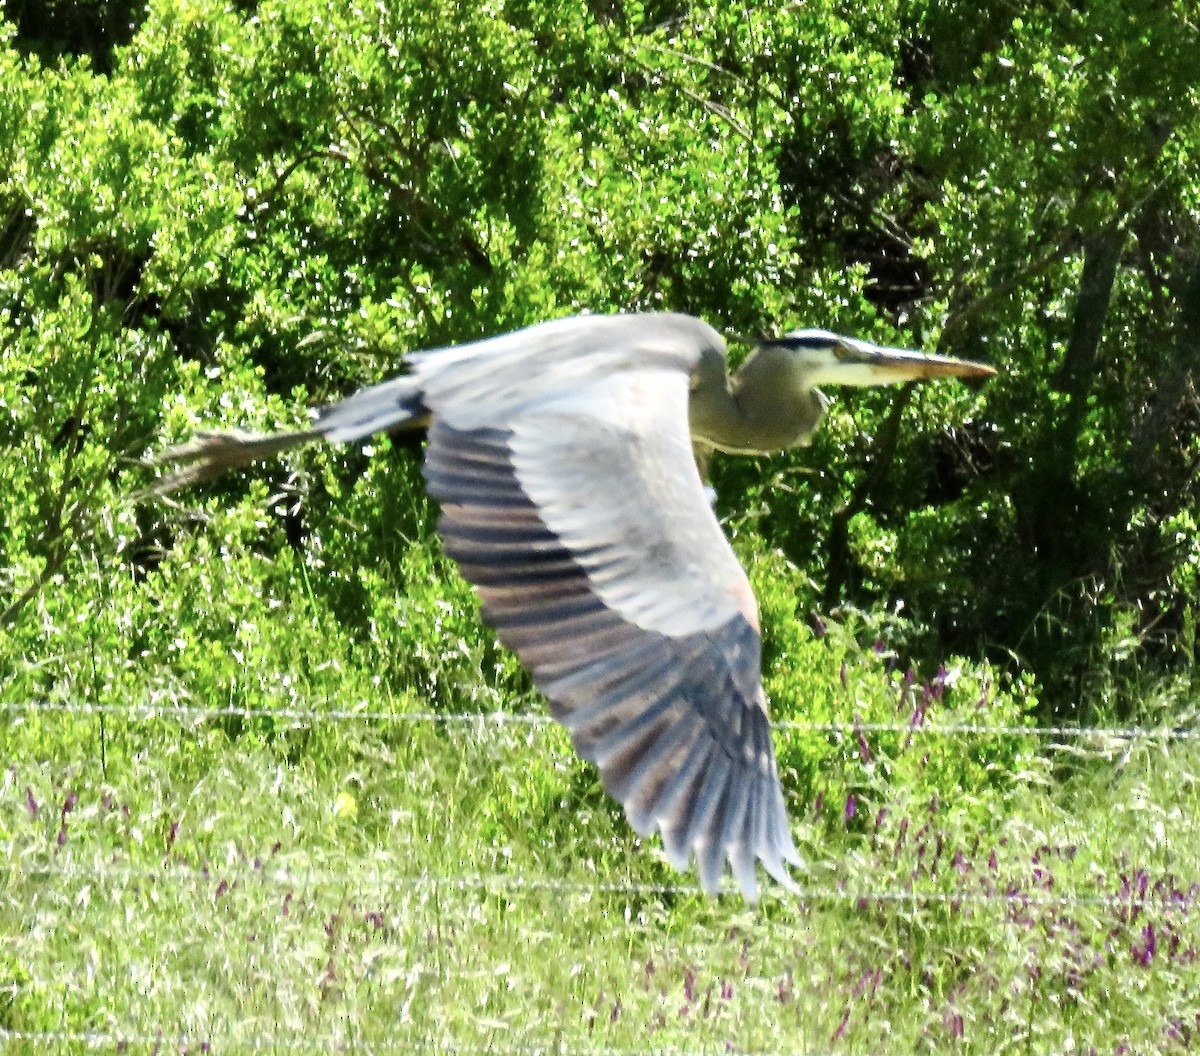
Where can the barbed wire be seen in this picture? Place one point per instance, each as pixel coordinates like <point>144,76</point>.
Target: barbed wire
<point>489,883</point>
<point>499,719</point>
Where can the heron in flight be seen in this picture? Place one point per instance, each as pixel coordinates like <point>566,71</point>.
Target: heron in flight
<point>562,458</point>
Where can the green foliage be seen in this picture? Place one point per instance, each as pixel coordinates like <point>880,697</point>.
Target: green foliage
<point>280,204</point>
<point>867,729</point>
<point>221,214</point>
<point>226,886</point>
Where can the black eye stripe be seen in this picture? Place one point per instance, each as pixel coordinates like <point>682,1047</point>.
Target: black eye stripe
<point>814,341</point>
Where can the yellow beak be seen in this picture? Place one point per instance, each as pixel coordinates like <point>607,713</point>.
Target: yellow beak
<point>861,363</point>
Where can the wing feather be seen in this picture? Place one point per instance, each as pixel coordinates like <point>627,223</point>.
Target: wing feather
<point>623,701</point>
<point>735,839</point>
<point>705,824</point>
<point>640,785</point>
<point>582,523</point>
<point>742,852</point>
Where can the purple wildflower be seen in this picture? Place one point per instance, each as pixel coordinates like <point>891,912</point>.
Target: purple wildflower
<point>841,1027</point>
<point>939,682</point>
<point>864,750</point>
<point>954,1023</point>
<point>1143,951</point>
<point>31,804</point>
<point>784,991</point>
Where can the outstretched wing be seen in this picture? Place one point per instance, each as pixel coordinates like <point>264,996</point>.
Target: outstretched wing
<point>582,521</point>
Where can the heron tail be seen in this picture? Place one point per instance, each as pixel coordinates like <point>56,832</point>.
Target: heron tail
<point>395,403</point>
<point>212,453</point>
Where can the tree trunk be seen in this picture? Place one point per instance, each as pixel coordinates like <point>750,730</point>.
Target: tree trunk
<point>1057,514</point>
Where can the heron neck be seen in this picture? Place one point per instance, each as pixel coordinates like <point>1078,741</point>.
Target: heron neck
<point>763,408</point>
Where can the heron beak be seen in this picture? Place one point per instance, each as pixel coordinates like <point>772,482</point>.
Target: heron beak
<point>861,363</point>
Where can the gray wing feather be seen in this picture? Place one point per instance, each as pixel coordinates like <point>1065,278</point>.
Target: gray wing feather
<point>372,410</point>
<point>705,826</point>
<point>675,721</point>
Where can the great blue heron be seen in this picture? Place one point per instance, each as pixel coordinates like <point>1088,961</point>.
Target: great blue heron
<point>562,457</point>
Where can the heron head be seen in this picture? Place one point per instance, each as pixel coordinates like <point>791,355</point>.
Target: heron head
<point>823,358</point>
<point>773,400</point>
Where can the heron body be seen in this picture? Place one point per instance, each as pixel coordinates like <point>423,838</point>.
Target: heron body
<point>562,458</point>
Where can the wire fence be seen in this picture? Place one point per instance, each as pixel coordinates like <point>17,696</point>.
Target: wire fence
<point>825,886</point>
<point>831,891</point>
<point>511,884</point>
<point>1113,735</point>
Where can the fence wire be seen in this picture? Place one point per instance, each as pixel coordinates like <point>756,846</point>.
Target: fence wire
<point>1111,735</point>
<point>830,891</point>
<point>511,884</point>
<point>162,1041</point>
<point>515,884</point>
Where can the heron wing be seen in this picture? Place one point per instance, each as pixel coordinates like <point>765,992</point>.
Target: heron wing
<point>583,524</point>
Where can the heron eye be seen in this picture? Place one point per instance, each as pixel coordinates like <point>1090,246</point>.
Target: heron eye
<point>826,344</point>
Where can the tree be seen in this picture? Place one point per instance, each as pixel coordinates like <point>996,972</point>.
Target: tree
<point>261,208</point>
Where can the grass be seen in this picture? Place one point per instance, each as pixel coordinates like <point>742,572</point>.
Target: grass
<point>275,878</point>
<point>419,887</point>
